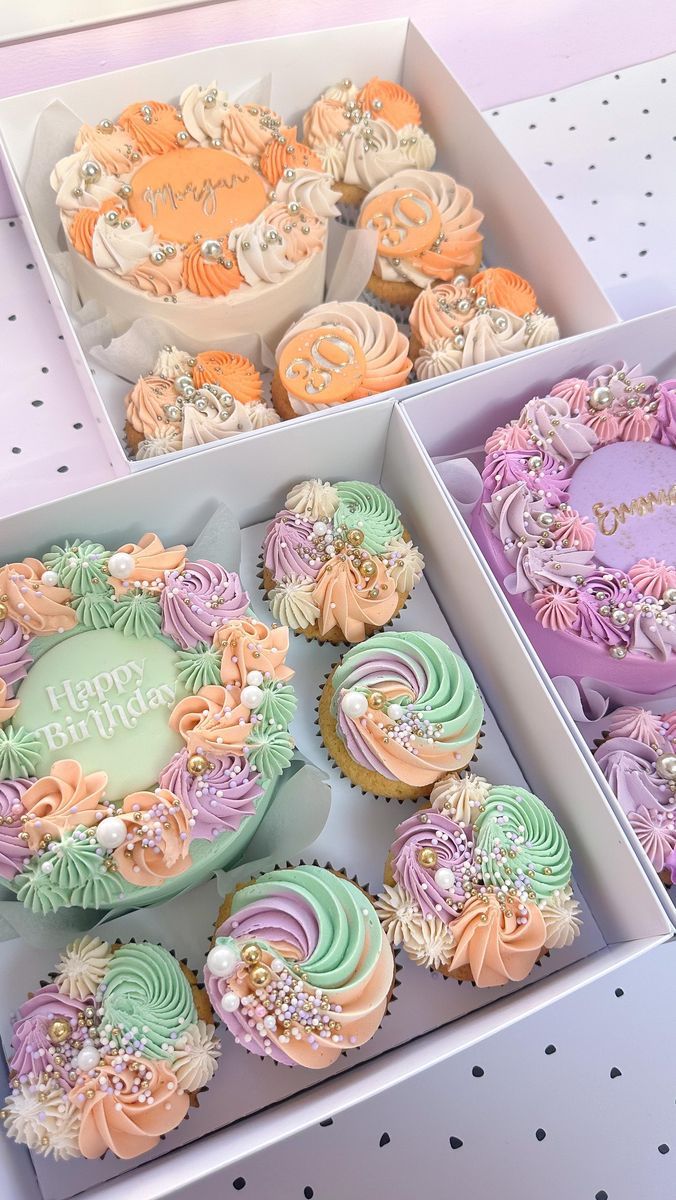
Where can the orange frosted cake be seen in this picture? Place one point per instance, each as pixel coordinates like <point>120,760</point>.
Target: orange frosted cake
<point>209,214</point>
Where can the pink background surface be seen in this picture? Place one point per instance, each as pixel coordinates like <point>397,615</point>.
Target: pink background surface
<point>498,51</point>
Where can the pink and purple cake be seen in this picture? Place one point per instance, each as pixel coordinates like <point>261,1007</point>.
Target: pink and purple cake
<point>577,521</point>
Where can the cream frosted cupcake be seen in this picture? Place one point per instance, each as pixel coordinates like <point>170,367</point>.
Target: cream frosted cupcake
<point>364,136</point>
<point>337,561</point>
<point>428,231</point>
<point>399,712</point>
<point>110,1055</point>
<point>299,969</point>
<point>468,321</point>
<point>190,400</point>
<point>337,352</point>
<point>477,886</point>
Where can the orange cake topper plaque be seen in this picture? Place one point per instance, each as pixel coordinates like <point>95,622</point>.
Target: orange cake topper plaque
<point>189,191</point>
<point>322,366</point>
<point>407,222</point>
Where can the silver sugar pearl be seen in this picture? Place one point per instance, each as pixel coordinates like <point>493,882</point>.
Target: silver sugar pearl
<point>669,596</point>
<point>666,767</point>
<point>619,616</point>
<point>105,126</point>
<point>618,652</point>
<point>458,341</point>
<point>464,305</point>
<point>211,248</point>
<point>546,519</point>
<point>125,191</point>
<point>481,302</point>
<point>460,281</point>
<point>169,250</point>
<point>183,383</point>
<point>601,397</point>
<point>294,206</point>
<point>501,323</point>
<point>173,412</point>
<point>157,255</point>
<point>217,143</point>
<point>182,136</point>
<point>90,171</point>
<point>112,217</point>
<point>289,173</point>
<point>535,462</point>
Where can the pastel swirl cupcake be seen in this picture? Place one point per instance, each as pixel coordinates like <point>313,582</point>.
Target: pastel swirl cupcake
<point>400,712</point>
<point>480,899</point>
<point>363,136</point>
<point>191,400</point>
<point>337,561</point>
<point>299,969</point>
<point>466,321</point>
<point>110,1055</point>
<point>337,352</point>
<point>428,231</point>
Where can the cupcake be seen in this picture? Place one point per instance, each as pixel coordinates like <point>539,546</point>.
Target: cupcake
<point>299,968</point>
<point>400,712</point>
<point>364,136</point>
<point>190,400</point>
<point>637,755</point>
<point>144,724</point>
<point>428,231</point>
<point>337,352</point>
<point>110,1055</point>
<point>468,321</point>
<point>337,561</point>
<point>480,899</point>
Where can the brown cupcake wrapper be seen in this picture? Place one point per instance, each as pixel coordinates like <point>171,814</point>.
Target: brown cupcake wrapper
<point>224,913</point>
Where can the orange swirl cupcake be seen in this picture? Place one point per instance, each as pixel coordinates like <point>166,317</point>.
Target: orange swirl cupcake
<point>191,400</point>
<point>364,136</point>
<point>428,231</point>
<point>178,205</point>
<point>337,352</point>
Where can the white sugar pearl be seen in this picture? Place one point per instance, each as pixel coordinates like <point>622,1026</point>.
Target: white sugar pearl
<point>88,1058</point>
<point>230,1002</point>
<point>254,678</point>
<point>270,1022</point>
<point>111,832</point>
<point>354,704</point>
<point>395,711</point>
<point>320,527</point>
<point>222,960</point>
<point>120,565</point>
<point>47,868</point>
<point>251,696</point>
<point>444,879</point>
<point>50,578</point>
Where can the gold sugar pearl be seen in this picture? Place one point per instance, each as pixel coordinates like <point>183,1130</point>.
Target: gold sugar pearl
<point>251,953</point>
<point>427,857</point>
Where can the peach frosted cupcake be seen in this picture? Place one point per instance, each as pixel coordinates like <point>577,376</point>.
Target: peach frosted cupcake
<point>337,561</point>
<point>466,321</point>
<point>364,136</point>
<point>110,1055</point>
<point>337,352</point>
<point>428,231</point>
<point>191,400</point>
<point>480,899</point>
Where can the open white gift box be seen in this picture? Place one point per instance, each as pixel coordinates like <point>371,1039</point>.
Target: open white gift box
<point>251,1102</point>
<point>520,231</point>
<point>454,421</point>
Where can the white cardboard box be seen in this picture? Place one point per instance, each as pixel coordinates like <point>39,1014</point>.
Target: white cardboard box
<point>625,920</point>
<point>457,418</point>
<point>520,231</point>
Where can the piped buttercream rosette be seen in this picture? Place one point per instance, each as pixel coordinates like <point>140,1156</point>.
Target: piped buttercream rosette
<point>585,552</point>
<point>144,727</point>
<point>110,1055</point>
<point>477,886</point>
<point>338,352</point>
<point>191,400</point>
<point>299,969</point>
<point>637,755</point>
<point>337,561</point>
<point>206,199</point>
<point>399,712</point>
<point>470,320</point>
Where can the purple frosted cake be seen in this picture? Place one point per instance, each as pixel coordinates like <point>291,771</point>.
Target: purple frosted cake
<point>577,520</point>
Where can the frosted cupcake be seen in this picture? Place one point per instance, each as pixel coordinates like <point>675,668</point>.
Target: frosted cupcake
<point>190,400</point>
<point>299,969</point>
<point>110,1055</point>
<point>481,898</point>
<point>337,561</point>
<point>638,758</point>
<point>337,352</point>
<point>428,231</point>
<point>399,712</point>
<point>364,136</point>
<point>465,322</point>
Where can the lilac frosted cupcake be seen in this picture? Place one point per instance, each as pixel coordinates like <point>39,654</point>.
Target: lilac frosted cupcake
<point>638,758</point>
